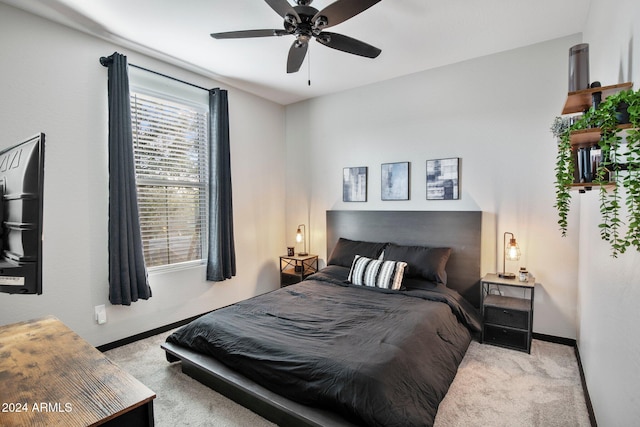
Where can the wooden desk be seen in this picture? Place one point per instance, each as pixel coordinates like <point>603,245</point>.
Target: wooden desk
<point>49,376</point>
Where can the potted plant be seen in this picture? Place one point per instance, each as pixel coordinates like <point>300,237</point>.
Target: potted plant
<point>620,163</point>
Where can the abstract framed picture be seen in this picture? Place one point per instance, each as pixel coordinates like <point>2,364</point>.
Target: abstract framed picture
<point>354,184</point>
<point>394,179</point>
<point>443,179</point>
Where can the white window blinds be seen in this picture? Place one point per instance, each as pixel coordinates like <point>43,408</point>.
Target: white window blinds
<point>170,149</point>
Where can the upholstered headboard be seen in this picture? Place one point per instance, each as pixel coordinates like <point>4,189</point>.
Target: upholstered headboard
<point>459,230</point>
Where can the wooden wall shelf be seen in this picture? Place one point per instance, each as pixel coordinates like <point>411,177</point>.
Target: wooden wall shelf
<point>588,186</point>
<point>589,137</point>
<point>579,101</point>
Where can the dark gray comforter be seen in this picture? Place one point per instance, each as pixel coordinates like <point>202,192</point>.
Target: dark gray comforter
<point>381,358</point>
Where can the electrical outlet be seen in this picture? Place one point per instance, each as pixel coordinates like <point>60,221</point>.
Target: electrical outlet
<point>101,314</point>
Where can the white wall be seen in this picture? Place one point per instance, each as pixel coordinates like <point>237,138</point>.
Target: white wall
<point>494,113</point>
<point>51,82</point>
<point>608,337</point>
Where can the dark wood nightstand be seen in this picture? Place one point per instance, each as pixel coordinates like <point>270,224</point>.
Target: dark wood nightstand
<point>507,320</point>
<point>296,268</point>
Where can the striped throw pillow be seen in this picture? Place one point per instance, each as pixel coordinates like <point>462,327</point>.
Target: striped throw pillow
<point>377,273</point>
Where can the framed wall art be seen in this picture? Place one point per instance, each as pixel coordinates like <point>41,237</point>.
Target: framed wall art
<point>443,179</point>
<point>354,184</point>
<point>394,179</point>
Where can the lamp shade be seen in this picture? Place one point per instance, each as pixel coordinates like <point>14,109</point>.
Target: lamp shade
<point>512,250</point>
<point>300,238</point>
<point>511,253</point>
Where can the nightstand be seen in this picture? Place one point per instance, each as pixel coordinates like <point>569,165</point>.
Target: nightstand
<point>507,320</point>
<point>296,268</point>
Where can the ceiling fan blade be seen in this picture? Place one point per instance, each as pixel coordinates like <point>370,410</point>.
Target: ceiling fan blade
<point>348,44</point>
<point>297,52</point>
<point>283,8</point>
<point>248,34</point>
<point>341,10</point>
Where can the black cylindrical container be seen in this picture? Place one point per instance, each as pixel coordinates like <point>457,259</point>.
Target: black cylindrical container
<point>579,67</point>
<point>585,164</point>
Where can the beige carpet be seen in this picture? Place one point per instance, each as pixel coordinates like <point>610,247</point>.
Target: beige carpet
<point>494,387</point>
<point>499,387</point>
<point>180,400</point>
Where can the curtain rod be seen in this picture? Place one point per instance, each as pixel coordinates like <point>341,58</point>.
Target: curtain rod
<point>106,61</point>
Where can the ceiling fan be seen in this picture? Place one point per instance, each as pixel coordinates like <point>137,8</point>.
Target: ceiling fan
<point>305,22</point>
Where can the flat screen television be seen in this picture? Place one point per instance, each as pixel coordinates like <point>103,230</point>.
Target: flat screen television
<point>21,188</point>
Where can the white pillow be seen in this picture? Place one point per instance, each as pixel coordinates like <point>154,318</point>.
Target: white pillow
<point>376,273</point>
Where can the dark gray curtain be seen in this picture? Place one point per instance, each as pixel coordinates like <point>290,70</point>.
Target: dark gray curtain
<point>127,271</point>
<point>221,259</point>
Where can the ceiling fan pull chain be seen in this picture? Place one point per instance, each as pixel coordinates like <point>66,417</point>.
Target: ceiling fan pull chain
<point>309,67</point>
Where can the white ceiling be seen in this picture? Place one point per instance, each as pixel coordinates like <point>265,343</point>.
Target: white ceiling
<point>414,35</point>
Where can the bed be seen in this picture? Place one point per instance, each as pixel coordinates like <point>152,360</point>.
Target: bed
<point>375,338</point>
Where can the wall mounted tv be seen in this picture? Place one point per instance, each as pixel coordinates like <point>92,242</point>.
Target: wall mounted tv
<point>21,188</point>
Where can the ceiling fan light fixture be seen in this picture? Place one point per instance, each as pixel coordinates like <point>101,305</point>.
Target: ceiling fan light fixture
<point>303,38</point>
<point>324,38</point>
<point>320,22</point>
<point>290,19</point>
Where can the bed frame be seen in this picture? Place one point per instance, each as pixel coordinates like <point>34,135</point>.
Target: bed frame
<point>459,230</point>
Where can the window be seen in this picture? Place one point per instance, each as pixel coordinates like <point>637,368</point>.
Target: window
<point>170,151</point>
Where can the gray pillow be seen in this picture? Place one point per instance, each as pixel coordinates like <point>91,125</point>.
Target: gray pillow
<point>346,250</point>
<point>427,263</point>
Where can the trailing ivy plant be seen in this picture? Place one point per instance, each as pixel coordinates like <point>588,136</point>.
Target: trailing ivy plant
<point>620,167</point>
<point>631,181</point>
<point>564,171</point>
<point>608,170</point>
